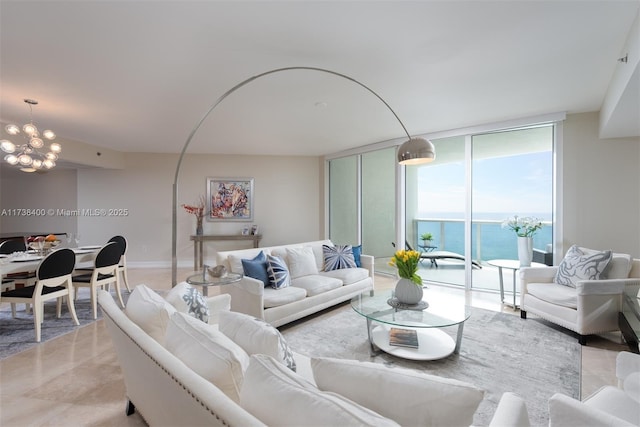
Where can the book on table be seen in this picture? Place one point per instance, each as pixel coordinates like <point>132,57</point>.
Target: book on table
<point>403,337</point>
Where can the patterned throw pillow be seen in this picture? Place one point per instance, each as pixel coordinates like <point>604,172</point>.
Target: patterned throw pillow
<point>337,257</point>
<point>581,264</point>
<point>278,272</point>
<point>189,300</point>
<point>257,268</point>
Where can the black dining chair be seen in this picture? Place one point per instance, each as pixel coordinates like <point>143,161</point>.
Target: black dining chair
<point>122,265</point>
<point>104,272</point>
<point>23,278</point>
<point>53,281</point>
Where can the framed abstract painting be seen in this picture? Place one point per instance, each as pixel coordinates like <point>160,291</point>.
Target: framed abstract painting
<point>229,199</point>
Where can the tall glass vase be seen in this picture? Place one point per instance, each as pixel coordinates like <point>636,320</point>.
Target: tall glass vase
<point>525,251</point>
<point>199,229</point>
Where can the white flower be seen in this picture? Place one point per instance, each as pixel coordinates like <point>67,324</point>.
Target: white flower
<point>523,226</point>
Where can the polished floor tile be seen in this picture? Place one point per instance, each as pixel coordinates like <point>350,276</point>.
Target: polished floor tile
<point>75,380</point>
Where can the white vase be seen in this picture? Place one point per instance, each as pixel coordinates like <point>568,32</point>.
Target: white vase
<point>407,292</point>
<point>525,251</point>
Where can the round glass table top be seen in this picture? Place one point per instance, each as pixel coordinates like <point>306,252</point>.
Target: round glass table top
<point>442,310</point>
<point>205,279</point>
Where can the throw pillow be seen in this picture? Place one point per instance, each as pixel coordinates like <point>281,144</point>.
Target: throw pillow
<point>256,336</point>
<point>189,300</point>
<point>405,396</point>
<point>278,272</point>
<point>257,268</point>
<point>277,396</point>
<point>208,352</point>
<point>338,257</point>
<point>301,262</point>
<point>581,264</point>
<point>149,311</point>
<point>357,251</point>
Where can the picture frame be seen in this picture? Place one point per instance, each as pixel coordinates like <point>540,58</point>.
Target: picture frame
<point>229,199</point>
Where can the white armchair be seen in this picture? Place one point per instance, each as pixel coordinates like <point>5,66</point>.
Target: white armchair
<point>608,406</point>
<point>591,307</point>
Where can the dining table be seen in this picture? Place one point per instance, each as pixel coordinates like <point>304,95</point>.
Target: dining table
<point>29,261</point>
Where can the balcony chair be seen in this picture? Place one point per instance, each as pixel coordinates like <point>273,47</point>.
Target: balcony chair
<point>53,281</point>
<point>583,293</point>
<point>104,272</point>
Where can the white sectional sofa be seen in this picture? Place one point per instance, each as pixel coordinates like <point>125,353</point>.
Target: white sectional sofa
<point>171,382</point>
<point>311,290</point>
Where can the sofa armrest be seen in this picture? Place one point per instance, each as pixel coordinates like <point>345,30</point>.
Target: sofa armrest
<point>511,412</point>
<point>565,411</point>
<point>600,287</point>
<point>247,296</point>
<point>368,262</point>
<point>216,304</point>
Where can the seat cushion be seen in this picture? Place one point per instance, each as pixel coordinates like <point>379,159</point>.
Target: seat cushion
<point>277,297</point>
<point>581,264</point>
<point>86,278</point>
<point>27,291</point>
<point>553,293</point>
<point>278,396</point>
<point>316,284</point>
<point>347,275</point>
<point>408,397</point>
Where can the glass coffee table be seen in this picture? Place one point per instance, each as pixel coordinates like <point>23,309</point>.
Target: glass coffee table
<point>205,280</point>
<point>433,343</point>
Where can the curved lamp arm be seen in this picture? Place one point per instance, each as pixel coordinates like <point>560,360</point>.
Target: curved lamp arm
<point>174,260</point>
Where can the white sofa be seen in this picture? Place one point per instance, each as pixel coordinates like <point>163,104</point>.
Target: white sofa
<point>308,293</point>
<point>167,391</point>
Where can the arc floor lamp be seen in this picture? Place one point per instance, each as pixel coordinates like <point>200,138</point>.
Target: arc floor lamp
<point>415,150</point>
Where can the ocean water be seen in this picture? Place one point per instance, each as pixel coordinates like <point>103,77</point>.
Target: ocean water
<point>489,239</point>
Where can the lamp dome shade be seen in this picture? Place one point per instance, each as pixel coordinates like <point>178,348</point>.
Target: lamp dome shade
<point>416,151</point>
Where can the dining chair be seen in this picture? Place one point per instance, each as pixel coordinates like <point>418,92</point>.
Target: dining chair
<point>22,278</point>
<point>122,265</point>
<point>53,281</point>
<point>105,272</point>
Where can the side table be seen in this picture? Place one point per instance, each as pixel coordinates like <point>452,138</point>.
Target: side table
<point>509,264</point>
<point>206,280</point>
<point>629,318</point>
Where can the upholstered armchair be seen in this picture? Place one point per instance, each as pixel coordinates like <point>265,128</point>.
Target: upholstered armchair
<point>583,293</point>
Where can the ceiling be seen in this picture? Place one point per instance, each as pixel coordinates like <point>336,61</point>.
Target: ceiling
<point>137,76</point>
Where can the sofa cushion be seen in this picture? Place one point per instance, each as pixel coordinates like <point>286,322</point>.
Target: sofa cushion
<point>618,268</point>
<point>581,264</point>
<point>149,311</point>
<point>316,284</point>
<point>277,396</point>
<point>277,297</point>
<point>187,299</point>
<point>208,352</point>
<point>337,257</point>
<point>347,275</point>
<point>279,276</point>
<point>301,262</point>
<point>408,397</point>
<point>565,296</point>
<point>256,268</point>
<point>256,336</point>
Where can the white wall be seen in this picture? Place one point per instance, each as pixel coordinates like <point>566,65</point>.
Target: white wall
<point>601,188</point>
<point>286,205</point>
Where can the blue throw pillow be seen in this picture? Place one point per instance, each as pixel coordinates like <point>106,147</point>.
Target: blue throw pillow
<point>279,276</point>
<point>357,250</point>
<point>337,257</point>
<point>257,268</point>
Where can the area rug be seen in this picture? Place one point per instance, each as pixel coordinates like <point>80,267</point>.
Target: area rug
<point>500,352</point>
<point>18,334</point>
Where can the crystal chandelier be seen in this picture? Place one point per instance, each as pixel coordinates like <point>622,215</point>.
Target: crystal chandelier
<point>28,156</point>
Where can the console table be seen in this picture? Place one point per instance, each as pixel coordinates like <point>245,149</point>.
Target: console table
<point>198,240</point>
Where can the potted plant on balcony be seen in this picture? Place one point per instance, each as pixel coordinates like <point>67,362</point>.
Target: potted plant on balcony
<point>427,239</point>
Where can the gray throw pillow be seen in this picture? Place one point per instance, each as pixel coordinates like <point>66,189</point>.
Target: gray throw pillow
<point>581,264</point>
